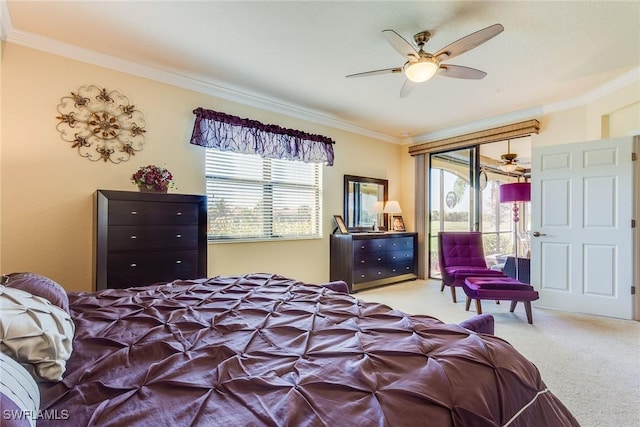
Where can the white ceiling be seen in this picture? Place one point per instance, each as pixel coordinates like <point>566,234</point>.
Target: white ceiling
<point>293,56</point>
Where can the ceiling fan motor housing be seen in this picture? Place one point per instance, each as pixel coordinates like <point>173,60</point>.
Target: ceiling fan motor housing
<point>509,157</point>
<point>422,37</point>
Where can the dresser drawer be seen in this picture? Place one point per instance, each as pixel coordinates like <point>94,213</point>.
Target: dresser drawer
<point>361,275</point>
<point>399,256</point>
<point>369,245</point>
<point>368,259</point>
<point>400,244</point>
<point>132,237</point>
<point>124,212</point>
<point>405,267</point>
<point>138,269</point>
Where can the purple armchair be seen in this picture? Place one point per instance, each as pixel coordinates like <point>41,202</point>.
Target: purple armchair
<point>461,255</point>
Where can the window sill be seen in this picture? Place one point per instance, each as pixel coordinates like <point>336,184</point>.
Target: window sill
<point>259,240</point>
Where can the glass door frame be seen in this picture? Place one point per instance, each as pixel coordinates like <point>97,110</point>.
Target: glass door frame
<point>474,211</point>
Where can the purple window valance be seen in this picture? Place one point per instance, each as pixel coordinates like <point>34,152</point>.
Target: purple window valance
<point>221,131</point>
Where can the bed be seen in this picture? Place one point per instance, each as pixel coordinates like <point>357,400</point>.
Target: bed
<point>266,350</point>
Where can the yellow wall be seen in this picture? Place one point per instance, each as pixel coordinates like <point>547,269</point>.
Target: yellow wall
<point>47,189</point>
<point>613,115</point>
<point>408,177</point>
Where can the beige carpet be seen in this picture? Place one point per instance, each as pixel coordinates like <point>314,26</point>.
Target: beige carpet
<point>591,363</point>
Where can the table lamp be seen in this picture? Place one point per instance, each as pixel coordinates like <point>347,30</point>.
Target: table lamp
<point>377,208</point>
<point>391,207</point>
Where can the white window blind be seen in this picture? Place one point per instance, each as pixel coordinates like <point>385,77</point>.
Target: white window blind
<point>252,198</point>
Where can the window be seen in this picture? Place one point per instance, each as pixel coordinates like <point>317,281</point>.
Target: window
<point>253,198</point>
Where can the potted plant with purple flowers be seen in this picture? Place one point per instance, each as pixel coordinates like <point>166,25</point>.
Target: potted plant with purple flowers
<point>153,178</point>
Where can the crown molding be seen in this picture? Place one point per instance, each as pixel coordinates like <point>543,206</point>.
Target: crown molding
<point>613,85</point>
<point>597,93</point>
<point>174,78</point>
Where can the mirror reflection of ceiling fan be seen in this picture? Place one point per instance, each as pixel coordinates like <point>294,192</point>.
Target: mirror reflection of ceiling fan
<point>420,66</point>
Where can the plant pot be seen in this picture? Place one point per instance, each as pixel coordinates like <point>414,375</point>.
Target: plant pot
<point>144,189</point>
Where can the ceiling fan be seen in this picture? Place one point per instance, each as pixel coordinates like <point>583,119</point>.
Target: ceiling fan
<point>421,66</point>
<point>509,160</point>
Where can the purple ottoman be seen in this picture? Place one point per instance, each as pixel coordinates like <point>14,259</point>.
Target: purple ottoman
<point>499,289</point>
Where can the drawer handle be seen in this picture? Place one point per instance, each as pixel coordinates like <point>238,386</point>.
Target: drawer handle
<point>178,262</point>
<point>179,213</point>
<point>379,273</point>
<point>133,265</point>
<point>134,212</point>
<point>362,262</point>
<point>362,275</point>
<point>178,235</point>
<point>379,259</point>
<point>133,237</point>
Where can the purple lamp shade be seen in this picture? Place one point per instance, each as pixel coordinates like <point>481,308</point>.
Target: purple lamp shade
<point>515,192</point>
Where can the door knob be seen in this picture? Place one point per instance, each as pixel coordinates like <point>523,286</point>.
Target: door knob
<point>538,234</point>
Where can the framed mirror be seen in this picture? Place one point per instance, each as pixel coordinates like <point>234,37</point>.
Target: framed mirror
<point>363,201</point>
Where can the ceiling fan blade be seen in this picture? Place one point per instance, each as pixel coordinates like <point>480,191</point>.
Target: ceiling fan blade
<point>489,161</point>
<point>400,44</point>
<point>460,72</point>
<point>376,72</point>
<point>468,42</point>
<point>407,88</point>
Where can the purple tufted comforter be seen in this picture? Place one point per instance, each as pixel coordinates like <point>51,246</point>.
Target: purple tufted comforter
<point>264,350</point>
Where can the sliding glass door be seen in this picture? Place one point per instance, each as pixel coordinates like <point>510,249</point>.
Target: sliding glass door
<point>464,195</point>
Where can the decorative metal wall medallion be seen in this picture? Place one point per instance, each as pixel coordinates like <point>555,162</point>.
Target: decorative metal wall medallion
<point>101,124</point>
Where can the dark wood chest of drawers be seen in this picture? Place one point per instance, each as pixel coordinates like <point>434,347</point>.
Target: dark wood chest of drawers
<point>368,260</point>
<point>144,238</point>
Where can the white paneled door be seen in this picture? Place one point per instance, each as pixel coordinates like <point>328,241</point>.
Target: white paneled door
<point>582,202</point>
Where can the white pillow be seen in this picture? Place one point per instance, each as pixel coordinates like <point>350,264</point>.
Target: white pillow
<point>33,331</point>
<point>18,386</point>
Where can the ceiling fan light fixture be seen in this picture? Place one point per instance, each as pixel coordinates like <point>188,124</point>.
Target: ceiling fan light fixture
<point>508,167</point>
<point>421,70</point>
